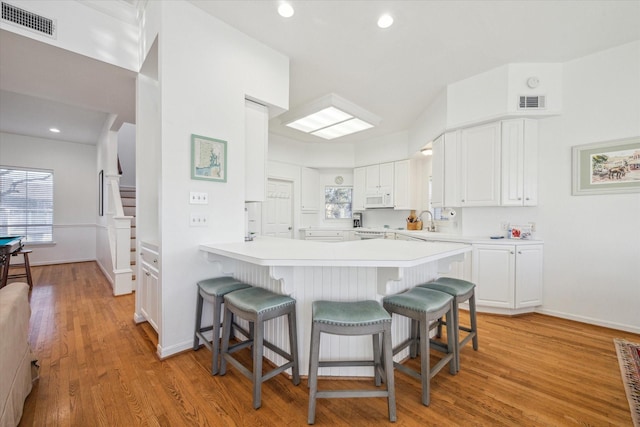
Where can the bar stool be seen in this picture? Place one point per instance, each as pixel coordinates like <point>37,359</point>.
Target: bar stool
<point>423,306</point>
<point>213,291</point>
<point>352,318</point>
<point>462,291</point>
<point>258,305</point>
<point>24,265</point>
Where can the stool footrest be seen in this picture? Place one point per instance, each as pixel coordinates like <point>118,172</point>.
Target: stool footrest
<point>326,394</point>
<point>343,363</point>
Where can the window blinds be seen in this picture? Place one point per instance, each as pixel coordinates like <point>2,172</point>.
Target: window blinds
<point>26,203</point>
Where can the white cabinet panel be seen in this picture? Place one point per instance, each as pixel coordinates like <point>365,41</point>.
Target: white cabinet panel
<point>310,189</point>
<point>480,165</point>
<point>256,146</point>
<point>452,169</point>
<point>359,188</point>
<point>149,284</point>
<point>437,173</point>
<point>508,276</point>
<point>519,162</point>
<point>528,276</point>
<point>493,274</point>
<point>407,185</point>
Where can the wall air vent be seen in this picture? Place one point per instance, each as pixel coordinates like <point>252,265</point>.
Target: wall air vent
<point>28,20</point>
<point>537,102</point>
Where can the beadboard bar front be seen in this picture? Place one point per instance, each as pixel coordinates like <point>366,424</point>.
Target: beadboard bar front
<point>322,281</point>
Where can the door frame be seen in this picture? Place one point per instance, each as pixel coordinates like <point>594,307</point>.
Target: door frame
<point>294,187</point>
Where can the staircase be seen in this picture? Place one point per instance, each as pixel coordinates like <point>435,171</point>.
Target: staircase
<point>128,197</point>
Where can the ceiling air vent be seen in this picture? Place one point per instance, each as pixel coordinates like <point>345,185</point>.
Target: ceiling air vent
<point>537,102</point>
<point>29,20</point>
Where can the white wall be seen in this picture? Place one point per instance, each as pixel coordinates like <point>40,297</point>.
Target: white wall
<point>127,154</point>
<point>312,155</point>
<point>387,148</point>
<point>429,125</point>
<point>82,28</point>
<point>75,193</point>
<point>206,69</point>
<point>592,249</point>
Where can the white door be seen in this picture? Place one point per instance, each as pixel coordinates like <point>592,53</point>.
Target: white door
<point>277,211</point>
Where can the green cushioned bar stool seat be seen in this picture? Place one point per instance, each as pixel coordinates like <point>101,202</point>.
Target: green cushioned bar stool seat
<point>352,318</point>
<point>462,291</point>
<point>213,291</point>
<point>424,306</point>
<point>258,305</point>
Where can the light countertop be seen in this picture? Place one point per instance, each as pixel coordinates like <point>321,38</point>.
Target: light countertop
<point>269,251</point>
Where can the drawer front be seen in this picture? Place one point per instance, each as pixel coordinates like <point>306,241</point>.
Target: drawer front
<point>150,257</point>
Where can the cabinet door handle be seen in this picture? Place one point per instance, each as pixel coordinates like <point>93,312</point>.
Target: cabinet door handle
<point>526,198</point>
<point>519,198</point>
<point>147,273</point>
<point>520,252</point>
<point>155,261</point>
<point>511,252</point>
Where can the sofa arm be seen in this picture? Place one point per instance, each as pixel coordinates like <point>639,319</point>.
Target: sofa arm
<point>15,353</point>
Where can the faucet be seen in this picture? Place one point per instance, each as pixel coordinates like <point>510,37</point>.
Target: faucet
<point>431,226</point>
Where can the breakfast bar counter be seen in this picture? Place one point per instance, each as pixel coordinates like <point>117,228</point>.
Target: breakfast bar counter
<point>341,271</point>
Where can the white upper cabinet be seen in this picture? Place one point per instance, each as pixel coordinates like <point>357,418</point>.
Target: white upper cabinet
<point>437,173</point>
<point>490,165</point>
<point>407,185</point>
<point>445,173</point>
<point>310,189</point>
<point>359,188</point>
<point>256,146</point>
<point>379,179</point>
<point>519,162</point>
<point>480,165</point>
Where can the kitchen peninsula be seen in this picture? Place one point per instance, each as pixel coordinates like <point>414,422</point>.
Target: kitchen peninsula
<point>343,271</point>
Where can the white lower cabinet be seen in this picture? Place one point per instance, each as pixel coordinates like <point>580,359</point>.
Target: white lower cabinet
<point>326,235</point>
<point>508,277</point>
<point>149,284</point>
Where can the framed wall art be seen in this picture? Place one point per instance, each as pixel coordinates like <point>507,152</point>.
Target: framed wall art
<point>208,158</point>
<point>606,167</point>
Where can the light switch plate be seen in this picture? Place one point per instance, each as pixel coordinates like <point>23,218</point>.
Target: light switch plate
<point>198,220</point>
<point>196,198</point>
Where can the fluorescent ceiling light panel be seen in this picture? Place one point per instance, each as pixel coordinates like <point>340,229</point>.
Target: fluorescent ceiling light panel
<point>329,117</point>
<point>341,129</point>
<point>323,118</point>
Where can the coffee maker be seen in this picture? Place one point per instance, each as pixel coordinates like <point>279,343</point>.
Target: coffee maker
<point>357,219</point>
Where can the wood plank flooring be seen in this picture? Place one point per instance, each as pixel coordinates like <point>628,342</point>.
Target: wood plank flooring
<point>98,368</point>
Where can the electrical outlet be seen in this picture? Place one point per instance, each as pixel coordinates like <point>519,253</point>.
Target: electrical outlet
<point>533,226</point>
<point>504,226</point>
<point>198,220</point>
<point>198,198</point>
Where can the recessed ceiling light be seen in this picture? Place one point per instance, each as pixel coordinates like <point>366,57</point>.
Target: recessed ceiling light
<point>385,21</point>
<point>54,130</point>
<point>285,10</point>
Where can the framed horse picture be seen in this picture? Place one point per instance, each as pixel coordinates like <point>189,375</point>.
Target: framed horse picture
<point>606,167</point>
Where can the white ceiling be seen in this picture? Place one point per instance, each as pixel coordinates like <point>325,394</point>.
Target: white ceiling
<point>336,47</point>
<point>43,86</point>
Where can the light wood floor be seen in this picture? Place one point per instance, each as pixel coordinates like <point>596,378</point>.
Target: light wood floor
<point>98,368</point>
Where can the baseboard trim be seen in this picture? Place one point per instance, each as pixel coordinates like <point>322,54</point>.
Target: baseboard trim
<point>590,320</point>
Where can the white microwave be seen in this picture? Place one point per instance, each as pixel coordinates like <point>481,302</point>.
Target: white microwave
<point>378,201</point>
